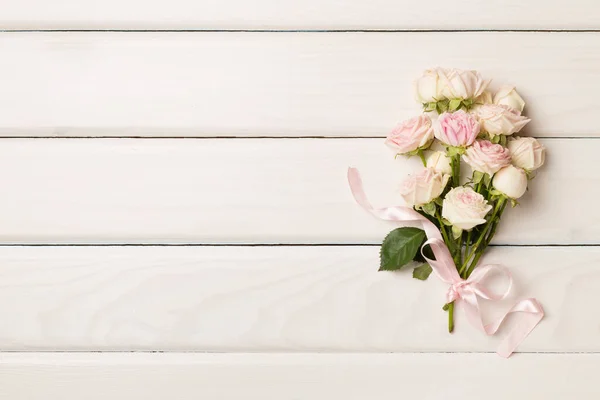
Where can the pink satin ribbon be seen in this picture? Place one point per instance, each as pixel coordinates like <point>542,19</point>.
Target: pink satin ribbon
<point>465,292</point>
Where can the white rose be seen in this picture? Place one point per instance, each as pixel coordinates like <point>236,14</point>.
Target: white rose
<point>440,83</point>
<point>439,162</point>
<point>424,187</point>
<point>485,98</point>
<point>459,84</point>
<point>508,96</point>
<point>464,208</point>
<point>426,87</point>
<point>527,153</point>
<point>511,181</point>
<point>499,119</point>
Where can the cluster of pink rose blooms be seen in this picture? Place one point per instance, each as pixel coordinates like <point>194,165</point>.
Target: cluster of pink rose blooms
<point>464,120</point>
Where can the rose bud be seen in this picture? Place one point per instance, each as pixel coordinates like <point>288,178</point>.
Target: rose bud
<point>486,157</point>
<point>456,129</point>
<point>508,96</point>
<point>527,153</point>
<point>499,119</point>
<point>459,84</point>
<point>424,187</point>
<point>439,162</point>
<point>511,181</point>
<point>411,135</point>
<point>464,208</point>
<point>426,87</point>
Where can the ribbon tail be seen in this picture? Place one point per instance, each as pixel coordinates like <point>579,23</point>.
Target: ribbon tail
<point>531,313</point>
<point>356,186</point>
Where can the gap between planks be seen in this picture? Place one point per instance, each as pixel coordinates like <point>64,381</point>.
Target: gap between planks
<point>298,30</point>
<point>549,245</point>
<point>255,137</point>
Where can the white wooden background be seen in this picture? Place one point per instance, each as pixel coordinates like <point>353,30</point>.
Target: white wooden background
<point>176,221</point>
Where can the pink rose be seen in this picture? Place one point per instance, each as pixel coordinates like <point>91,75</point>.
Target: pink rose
<point>410,135</point>
<point>484,156</point>
<point>499,119</point>
<point>424,187</point>
<point>457,129</point>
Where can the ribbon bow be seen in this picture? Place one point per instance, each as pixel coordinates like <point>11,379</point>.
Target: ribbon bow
<point>464,291</point>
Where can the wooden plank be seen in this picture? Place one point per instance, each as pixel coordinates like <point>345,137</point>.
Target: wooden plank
<point>277,84</point>
<point>252,191</point>
<point>307,14</point>
<point>275,299</point>
<point>296,376</point>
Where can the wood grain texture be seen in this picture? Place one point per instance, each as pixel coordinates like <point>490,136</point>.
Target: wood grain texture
<point>296,376</point>
<point>252,191</point>
<point>275,299</point>
<point>277,84</point>
<point>307,14</point>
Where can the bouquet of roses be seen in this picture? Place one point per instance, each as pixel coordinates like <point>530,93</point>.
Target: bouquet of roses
<point>474,166</point>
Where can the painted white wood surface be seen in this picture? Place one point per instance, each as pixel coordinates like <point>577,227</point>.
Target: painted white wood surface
<point>275,299</point>
<point>252,191</point>
<point>307,14</point>
<point>95,376</point>
<point>277,84</point>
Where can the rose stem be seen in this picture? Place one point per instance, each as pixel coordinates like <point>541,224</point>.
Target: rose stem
<point>456,170</point>
<point>498,213</point>
<point>450,317</point>
<point>458,252</point>
<point>476,249</point>
<point>443,230</point>
<point>468,243</point>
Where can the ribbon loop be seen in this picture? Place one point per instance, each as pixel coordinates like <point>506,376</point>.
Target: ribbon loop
<point>467,291</point>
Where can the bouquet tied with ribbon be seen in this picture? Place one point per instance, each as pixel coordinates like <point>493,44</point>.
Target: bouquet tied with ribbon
<point>448,221</point>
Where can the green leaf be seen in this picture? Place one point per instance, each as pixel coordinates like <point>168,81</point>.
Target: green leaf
<point>484,136</point>
<point>452,151</point>
<point>442,106</point>
<point>429,106</point>
<point>422,272</point>
<point>429,208</point>
<point>400,247</point>
<point>454,104</point>
<point>530,174</point>
<point>487,180</point>
<point>477,177</point>
<point>495,139</point>
<point>502,140</point>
